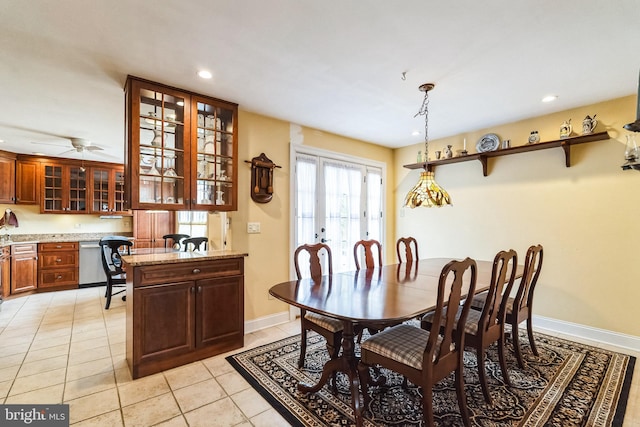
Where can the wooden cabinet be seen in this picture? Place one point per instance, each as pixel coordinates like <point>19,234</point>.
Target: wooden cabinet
<point>27,182</point>
<point>64,189</point>
<point>107,190</point>
<point>5,271</point>
<point>58,264</point>
<point>181,149</point>
<point>149,227</point>
<point>24,267</point>
<point>183,312</point>
<point>7,177</point>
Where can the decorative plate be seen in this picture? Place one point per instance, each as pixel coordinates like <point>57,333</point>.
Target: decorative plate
<point>488,142</point>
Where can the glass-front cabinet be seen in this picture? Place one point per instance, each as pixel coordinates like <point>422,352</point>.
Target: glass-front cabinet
<point>108,190</point>
<point>64,189</point>
<point>181,149</point>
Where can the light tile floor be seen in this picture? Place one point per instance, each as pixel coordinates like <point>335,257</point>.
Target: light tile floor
<point>63,347</point>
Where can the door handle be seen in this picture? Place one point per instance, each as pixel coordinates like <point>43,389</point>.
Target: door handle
<point>323,240</point>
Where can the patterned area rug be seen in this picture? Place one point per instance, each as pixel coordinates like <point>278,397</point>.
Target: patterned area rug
<point>570,384</point>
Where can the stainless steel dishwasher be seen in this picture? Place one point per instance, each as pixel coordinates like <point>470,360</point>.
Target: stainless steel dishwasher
<point>91,271</point>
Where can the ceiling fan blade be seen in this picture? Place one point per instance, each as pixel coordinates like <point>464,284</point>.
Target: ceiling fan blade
<point>68,151</point>
<point>93,148</point>
<point>49,143</point>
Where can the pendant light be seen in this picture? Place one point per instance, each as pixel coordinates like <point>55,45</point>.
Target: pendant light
<point>427,192</point>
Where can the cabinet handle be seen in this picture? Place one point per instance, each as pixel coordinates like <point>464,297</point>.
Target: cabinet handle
<point>59,277</point>
<point>192,289</point>
<point>58,247</point>
<point>58,260</point>
<point>199,289</point>
<point>196,271</point>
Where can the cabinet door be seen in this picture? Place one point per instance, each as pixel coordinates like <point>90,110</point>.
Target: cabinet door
<point>5,272</point>
<point>27,182</point>
<point>219,310</point>
<point>24,268</point>
<point>107,190</point>
<point>214,170</point>
<point>158,155</point>
<point>163,321</point>
<point>64,189</point>
<point>7,180</point>
<point>149,227</point>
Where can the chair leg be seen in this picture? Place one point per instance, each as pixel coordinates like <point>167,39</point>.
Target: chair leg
<point>365,380</point>
<point>303,347</point>
<point>462,396</point>
<point>503,361</point>
<point>108,295</point>
<point>530,333</point>
<point>483,374</point>
<point>515,336</point>
<point>427,403</point>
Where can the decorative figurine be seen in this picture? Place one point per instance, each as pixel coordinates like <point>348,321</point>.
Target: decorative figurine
<point>447,152</point>
<point>589,124</point>
<point>534,137</point>
<point>565,129</point>
<point>438,153</point>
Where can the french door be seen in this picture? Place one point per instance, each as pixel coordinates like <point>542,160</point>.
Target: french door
<point>338,200</point>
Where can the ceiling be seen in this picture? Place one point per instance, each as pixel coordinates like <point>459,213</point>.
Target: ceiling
<point>334,65</point>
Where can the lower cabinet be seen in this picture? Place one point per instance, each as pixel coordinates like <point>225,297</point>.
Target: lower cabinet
<point>180,313</point>
<point>5,271</point>
<point>24,267</point>
<point>58,265</point>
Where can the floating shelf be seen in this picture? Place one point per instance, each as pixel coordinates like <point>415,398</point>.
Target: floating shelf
<point>565,143</point>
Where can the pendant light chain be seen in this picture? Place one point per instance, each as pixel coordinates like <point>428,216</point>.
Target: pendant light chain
<point>424,111</point>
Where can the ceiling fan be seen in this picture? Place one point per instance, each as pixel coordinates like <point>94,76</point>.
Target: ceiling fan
<point>79,145</point>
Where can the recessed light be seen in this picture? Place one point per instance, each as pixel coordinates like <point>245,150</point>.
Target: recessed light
<point>415,132</point>
<point>549,98</point>
<point>180,103</point>
<point>205,74</point>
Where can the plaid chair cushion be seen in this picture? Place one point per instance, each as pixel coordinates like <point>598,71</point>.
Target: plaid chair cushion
<point>478,301</point>
<point>471,327</point>
<point>328,323</point>
<point>403,343</point>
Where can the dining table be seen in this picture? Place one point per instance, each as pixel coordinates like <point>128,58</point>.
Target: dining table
<point>381,295</point>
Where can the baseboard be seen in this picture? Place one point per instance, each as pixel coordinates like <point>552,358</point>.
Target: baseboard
<point>549,325</point>
<point>266,322</point>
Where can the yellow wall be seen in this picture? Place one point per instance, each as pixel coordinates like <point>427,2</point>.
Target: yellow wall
<point>587,216</point>
<point>269,252</point>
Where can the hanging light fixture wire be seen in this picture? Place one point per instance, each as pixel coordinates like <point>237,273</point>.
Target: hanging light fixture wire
<point>427,192</point>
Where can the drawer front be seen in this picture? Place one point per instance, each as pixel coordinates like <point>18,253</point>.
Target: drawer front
<point>149,275</point>
<point>58,246</point>
<point>60,277</point>
<point>24,248</point>
<point>60,259</point>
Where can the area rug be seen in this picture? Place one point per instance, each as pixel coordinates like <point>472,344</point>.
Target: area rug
<point>569,384</point>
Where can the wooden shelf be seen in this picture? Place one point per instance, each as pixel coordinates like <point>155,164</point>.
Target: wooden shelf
<point>565,143</point>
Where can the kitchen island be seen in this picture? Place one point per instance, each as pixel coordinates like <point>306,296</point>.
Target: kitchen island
<point>182,307</point>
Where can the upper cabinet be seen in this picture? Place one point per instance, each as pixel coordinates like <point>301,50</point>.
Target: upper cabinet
<point>107,190</point>
<point>27,181</point>
<point>64,189</point>
<point>7,177</point>
<point>181,149</point>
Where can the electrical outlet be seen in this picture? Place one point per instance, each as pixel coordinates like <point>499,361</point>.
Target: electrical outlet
<point>253,227</point>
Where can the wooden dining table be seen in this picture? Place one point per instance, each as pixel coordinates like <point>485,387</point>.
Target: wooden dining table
<point>381,295</point>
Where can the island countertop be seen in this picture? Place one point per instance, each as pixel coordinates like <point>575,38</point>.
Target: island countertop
<point>168,256</point>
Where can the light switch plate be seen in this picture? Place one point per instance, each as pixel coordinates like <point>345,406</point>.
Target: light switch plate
<point>253,227</point>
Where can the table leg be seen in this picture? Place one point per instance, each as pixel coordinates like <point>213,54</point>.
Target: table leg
<point>347,363</point>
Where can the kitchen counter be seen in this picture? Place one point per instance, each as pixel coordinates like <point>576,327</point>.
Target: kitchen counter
<point>158,256</point>
<point>58,237</point>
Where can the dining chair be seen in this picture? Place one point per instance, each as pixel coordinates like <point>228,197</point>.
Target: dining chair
<point>174,240</point>
<point>328,327</point>
<point>520,307</point>
<point>368,246</point>
<point>112,248</point>
<point>485,327</point>
<point>425,357</point>
<point>195,242</point>
<point>410,246</point>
